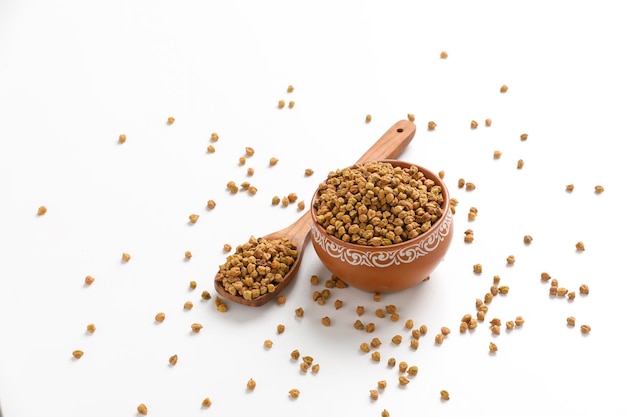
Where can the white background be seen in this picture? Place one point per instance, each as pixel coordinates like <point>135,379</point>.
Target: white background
<point>74,75</point>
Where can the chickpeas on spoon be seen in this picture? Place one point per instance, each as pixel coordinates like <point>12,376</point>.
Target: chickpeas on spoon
<point>389,146</point>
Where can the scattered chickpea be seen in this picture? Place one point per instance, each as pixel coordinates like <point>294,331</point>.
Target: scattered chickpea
<point>291,104</point>
<point>285,201</point>
<point>364,347</point>
<point>545,276</point>
<point>585,328</point>
<point>170,120</point>
<point>211,204</point>
<point>374,394</point>
<point>432,125</point>
<point>221,306</point>
<point>89,280</point>
<point>267,344</point>
<point>382,384</point>
<point>160,317</point>
<point>227,247</point>
<point>377,297</point>
<point>571,295</point>
<point>412,370</point>
<point>528,239</point>
<point>91,328</point>
<point>281,104</point>
<point>301,205</point>
<point>408,324</point>
<point>375,356</point>
<point>396,340</point>
<point>463,327</point>
<point>444,395</point>
<point>523,136</point>
<point>519,321</point>
<point>294,393</point>
<point>196,327</point>
<point>461,183</point>
<point>384,413</point>
<point>571,321</point>
<point>193,218</point>
<point>214,137</point>
<point>470,186</point>
<point>338,304</point>
<point>326,321</point>
<point>205,294</point>
<point>142,409</point>
<point>77,354</point>
<point>250,171</point>
<point>173,360</point>
<point>251,384</point>
<point>188,305</point>
<point>122,138</point>
<point>423,329</point>
<point>370,327</point>
<point>473,124</point>
<point>510,260</point>
<point>403,380</point>
<point>439,339</point>
<point>368,118</point>
<point>358,325</point>
<point>443,55</point>
<point>599,189</point>
<point>188,255</point>
<point>441,174</point>
<point>295,354</point>
<point>493,348</point>
<point>125,257</point>
<point>480,315</point>
<point>410,117</point>
<point>520,163</point>
<point>308,172</point>
<point>414,344</point>
<point>504,88</point>
<point>584,289</point>
<point>249,151</point>
<point>315,368</point>
<point>206,402</point>
<point>569,188</point>
<point>580,246</point>
<point>391,362</point>
<point>497,154</point>
<point>478,269</point>
<point>510,324</point>
<point>299,312</point>
<point>242,160</point>
<point>487,122</point>
<point>273,161</point>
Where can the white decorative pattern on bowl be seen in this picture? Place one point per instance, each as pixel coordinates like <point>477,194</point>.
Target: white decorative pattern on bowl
<point>389,256</point>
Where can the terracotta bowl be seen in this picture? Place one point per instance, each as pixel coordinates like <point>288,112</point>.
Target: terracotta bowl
<point>390,268</point>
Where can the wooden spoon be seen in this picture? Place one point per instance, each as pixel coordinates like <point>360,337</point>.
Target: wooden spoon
<point>389,146</point>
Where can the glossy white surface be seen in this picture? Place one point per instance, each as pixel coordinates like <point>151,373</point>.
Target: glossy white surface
<point>74,76</point>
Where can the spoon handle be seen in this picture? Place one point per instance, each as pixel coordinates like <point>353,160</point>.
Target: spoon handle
<point>391,144</point>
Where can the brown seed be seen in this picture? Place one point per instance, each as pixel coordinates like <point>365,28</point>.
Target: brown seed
<point>480,315</point>
<point>173,360</point>
<point>510,259</point>
<point>520,163</point>
<point>249,151</point>
<point>250,171</point>
<point>370,327</point>
<point>495,329</point>
<point>523,136</point>
<point>412,370</point>
<point>528,239</point>
<point>364,347</point>
<point>214,137</point>
<point>545,276</point>
<point>414,344</point>
<point>384,413</point>
<point>205,294</point>
<point>432,125</point>
<point>443,55</point>
<point>403,380</point>
<point>294,393</point>
<point>211,204</point>
<point>377,296</point>
<point>463,327</point>
<point>142,409</point>
<point>315,368</point>
<point>374,394</point>
<point>571,321</point>
<point>408,324</point>
<point>308,172</point>
<point>504,88</point>
<point>497,154</point>
<point>569,188</point>
<point>160,317</point>
<point>509,324</point>
<point>410,117</point>
<point>461,183</point>
<point>423,329</point>
<point>206,402</point>
<point>273,161</point>
<point>473,124</point>
<point>299,312</point>
<point>77,354</point>
<point>391,362</point>
<point>599,189</point>
<point>227,247</point>
<point>326,321</point>
<point>304,367</point>
<point>504,289</point>
<point>375,356</point>
<point>196,327</point>
<point>580,246</point>
<point>376,342</point>
<point>444,395</point>
<point>368,118</point>
<point>519,321</point>
<point>403,366</point>
<point>478,268</point>
<point>251,384</point>
<point>584,289</point>
<point>561,292</point>
<point>295,354</point>
<point>380,313</point>
<point>488,298</point>
<point>445,331</point>
<point>281,104</point>
<point>91,328</point>
<point>470,186</point>
<point>122,138</point>
<point>291,104</point>
<point>267,344</point>
<point>89,280</point>
<point>396,340</point>
<point>188,255</point>
<point>193,218</point>
<point>125,257</point>
<point>585,328</point>
<point>338,304</point>
<point>358,325</point>
<point>571,295</point>
<point>170,120</point>
<point>439,339</point>
<point>487,122</point>
<point>382,384</point>
<point>493,348</point>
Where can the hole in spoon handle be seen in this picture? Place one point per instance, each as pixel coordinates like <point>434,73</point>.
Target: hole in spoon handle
<point>391,144</point>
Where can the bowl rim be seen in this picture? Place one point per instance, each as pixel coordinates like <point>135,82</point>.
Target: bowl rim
<point>394,246</point>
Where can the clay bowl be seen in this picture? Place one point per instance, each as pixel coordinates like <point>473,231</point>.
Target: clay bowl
<point>390,268</point>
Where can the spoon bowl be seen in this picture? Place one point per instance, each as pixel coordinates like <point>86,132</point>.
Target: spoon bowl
<point>390,145</point>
